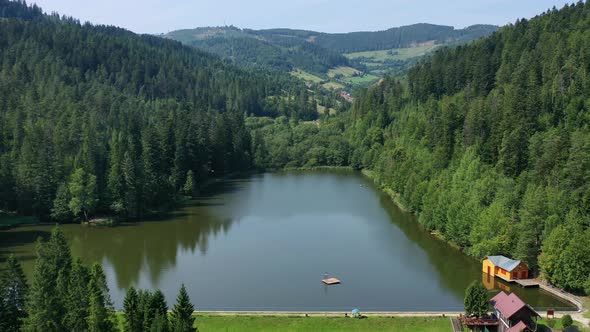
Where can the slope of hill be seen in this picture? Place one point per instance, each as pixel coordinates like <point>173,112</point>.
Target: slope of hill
<point>317,53</point>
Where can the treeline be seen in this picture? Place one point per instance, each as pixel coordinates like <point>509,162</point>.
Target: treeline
<point>489,145</point>
<point>404,36</point>
<point>96,120</point>
<point>67,295</point>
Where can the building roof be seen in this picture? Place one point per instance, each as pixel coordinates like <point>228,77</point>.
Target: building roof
<point>508,305</point>
<point>518,327</point>
<point>504,262</point>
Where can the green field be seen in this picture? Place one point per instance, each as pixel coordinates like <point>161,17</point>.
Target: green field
<point>343,71</point>
<point>374,57</point>
<point>333,86</point>
<point>280,323</point>
<point>360,80</point>
<point>306,76</point>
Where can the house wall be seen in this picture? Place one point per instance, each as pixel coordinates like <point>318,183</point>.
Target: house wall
<point>517,273</point>
<point>486,264</point>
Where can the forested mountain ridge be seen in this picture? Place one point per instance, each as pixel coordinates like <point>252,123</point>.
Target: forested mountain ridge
<point>99,120</point>
<point>399,37</point>
<point>318,53</point>
<point>489,145</point>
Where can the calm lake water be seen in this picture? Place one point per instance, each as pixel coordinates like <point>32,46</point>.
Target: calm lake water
<point>265,242</point>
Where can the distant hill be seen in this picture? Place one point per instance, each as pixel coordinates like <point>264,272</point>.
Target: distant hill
<point>319,54</point>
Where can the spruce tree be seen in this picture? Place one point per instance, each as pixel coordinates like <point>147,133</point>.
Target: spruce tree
<point>476,299</point>
<point>101,315</point>
<point>159,308</point>
<point>133,318</point>
<point>46,303</point>
<point>78,300</point>
<point>13,292</point>
<point>181,318</point>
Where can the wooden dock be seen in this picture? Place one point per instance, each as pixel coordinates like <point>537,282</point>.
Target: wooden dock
<point>331,281</point>
<point>527,282</point>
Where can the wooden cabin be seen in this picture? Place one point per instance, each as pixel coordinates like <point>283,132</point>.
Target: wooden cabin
<point>513,314</point>
<point>505,268</point>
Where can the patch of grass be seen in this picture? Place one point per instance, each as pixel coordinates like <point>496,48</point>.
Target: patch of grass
<point>286,323</point>
<point>358,80</point>
<point>306,76</point>
<point>343,71</point>
<point>333,86</point>
<point>394,54</point>
<point>545,325</point>
<point>11,219</point>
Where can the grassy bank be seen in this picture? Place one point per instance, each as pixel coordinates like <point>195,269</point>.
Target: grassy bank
<point>279,323</point>
<point>229,323</point>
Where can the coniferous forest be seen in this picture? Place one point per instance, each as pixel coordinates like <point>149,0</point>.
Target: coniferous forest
<point>96,119</point>
<point>488,143</point>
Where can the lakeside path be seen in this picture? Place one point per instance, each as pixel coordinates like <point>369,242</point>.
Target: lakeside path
<point>332,313</point>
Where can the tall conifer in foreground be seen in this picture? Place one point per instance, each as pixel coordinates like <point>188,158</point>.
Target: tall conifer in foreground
<point>13,291</point>
<point>133,319</point>
<point>181,319</point>
<point>46,301</point>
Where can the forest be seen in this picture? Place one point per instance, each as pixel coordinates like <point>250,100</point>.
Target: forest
<point>96,120</point>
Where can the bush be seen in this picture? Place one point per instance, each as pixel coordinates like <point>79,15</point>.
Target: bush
<point>567,321</point>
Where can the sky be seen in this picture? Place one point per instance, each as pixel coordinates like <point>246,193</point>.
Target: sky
<point>161,16</point>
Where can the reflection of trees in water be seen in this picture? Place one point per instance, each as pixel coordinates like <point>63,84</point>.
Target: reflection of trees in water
<point>149,247</point>
<point>456,269</point>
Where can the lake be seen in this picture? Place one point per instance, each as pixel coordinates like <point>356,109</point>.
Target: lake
<point>265,242</point>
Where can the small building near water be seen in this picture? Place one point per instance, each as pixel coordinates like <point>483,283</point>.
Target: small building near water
<point>513,314</point>
<point>505,268</point>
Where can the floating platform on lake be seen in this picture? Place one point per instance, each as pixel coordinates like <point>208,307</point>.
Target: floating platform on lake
<point>331,281</point>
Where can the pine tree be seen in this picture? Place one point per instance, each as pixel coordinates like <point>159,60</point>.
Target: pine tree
<point>13,292</point>
<point>476,299</point>
<point>101,315</point>
<point>133,318</point>
<point>160,310</point>
<point>78,300</point>
<point>181,318</point>
<point>46,301</point>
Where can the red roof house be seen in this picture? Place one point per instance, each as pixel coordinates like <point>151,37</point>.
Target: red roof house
<point>513,314</point>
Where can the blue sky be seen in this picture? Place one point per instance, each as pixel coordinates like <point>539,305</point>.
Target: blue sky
<point>155,16</point>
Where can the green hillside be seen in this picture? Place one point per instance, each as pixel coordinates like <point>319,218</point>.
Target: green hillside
<point>287,50</point>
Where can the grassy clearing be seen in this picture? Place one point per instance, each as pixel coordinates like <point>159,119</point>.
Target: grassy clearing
<point>358,80</point>
<point>546,324</point>
<point>306,76</point>
<point>395,54</point>
<point>333,86</point>
<point>10,219</point>
<point>285,323</point>
<point>343,71</point>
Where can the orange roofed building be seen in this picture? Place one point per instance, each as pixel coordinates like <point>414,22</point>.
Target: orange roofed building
<point>505,268</point>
